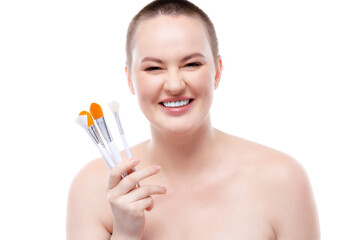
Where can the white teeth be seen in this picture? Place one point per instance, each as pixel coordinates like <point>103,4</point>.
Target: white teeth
<point>177,103</point>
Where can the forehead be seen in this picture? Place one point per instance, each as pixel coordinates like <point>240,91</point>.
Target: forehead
<point>165,33</point>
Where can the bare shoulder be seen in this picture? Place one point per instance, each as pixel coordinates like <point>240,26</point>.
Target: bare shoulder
<point>90,174</point>
<point>284,183</point>
<point>90,180</point>
<point>87,202</point>
<point>272,163</point>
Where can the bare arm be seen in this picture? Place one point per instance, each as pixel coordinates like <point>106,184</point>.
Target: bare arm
<point>84,221</point>
<point>294,209</point>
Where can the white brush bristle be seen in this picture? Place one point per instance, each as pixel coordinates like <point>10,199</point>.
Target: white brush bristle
<point>114,106</point>
<point>82,121</point>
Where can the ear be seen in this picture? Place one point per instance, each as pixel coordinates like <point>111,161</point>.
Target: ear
<point>130,83</point>
<point>219,68</point>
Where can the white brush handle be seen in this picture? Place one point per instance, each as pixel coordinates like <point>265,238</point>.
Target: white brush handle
<point>127,149</point>
<point>123,138</point>
<point>117,157</point>
<point>114,152</point>
<point>106,155</point>
<point>126,146</point>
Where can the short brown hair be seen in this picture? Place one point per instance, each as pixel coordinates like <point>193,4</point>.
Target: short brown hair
<point>170,7</point>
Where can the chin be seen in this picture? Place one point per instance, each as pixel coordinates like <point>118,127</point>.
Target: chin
<point>183,126</point>
<point>177,128</point>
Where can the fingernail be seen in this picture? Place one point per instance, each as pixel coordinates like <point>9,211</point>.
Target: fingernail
<point>157,168</point>
<point>134,161</point>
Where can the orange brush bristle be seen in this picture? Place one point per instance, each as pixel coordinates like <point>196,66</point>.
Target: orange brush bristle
<point>89,117</point>
<point>96,111</point>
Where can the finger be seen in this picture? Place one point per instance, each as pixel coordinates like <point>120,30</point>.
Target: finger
<point>129,182</point>
<point>143,192</point>
<point>116,173</point>
<point>149,208</point>
<point>143,204</point>
<point>130,171</point>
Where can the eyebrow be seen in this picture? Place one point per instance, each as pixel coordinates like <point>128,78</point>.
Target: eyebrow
<point>152,59</point>
<point>192,56</point>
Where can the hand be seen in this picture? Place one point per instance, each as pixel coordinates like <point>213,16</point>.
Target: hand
<point>128,202</point>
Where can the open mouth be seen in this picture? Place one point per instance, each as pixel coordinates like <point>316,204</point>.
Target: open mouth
<point>176,104</point>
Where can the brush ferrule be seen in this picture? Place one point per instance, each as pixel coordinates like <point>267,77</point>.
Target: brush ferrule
<point>96,134</point>
<point>92,136</point>
<point>103,129</point>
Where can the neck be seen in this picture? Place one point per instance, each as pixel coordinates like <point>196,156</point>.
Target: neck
<point>183,155</point>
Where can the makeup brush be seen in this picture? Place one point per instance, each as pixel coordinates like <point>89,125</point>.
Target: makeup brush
<point>86,122</point>
<point>91,126</point>
<point>98,115</point>
<point>114,106</point>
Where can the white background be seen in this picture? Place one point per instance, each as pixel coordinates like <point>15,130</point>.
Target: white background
<point>290,81</point>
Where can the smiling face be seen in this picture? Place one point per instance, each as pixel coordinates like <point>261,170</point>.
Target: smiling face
<point>173,72</point>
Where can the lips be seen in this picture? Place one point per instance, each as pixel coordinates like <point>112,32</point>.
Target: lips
<point>176,101</point>
<point>176,105</point>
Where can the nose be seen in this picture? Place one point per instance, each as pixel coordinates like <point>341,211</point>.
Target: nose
<point>174,83</point>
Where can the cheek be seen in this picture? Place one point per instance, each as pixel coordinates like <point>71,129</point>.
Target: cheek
<point>202,82</point>
<point>147,87</point>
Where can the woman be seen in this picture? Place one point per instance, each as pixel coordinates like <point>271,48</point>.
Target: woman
<point>196,181</point>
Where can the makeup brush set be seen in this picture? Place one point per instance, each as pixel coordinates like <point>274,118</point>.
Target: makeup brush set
<point>86,120</point>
